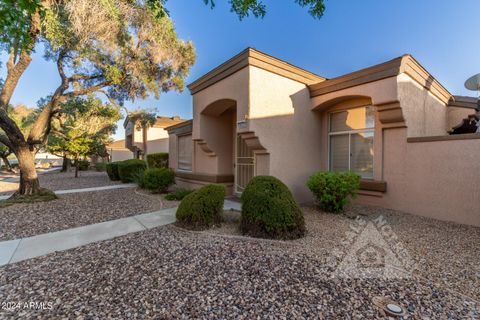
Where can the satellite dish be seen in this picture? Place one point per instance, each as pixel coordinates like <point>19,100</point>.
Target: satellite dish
<point>473,83</point>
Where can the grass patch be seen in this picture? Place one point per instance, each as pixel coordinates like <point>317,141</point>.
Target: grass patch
<point>42,196</point>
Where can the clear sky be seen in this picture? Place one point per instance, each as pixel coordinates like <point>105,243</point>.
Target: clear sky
<point>444,36</point>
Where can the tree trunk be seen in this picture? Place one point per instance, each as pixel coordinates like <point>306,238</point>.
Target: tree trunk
<point>65,164</point>
<point>29,183</point>
<point>8,167</point>
<point>76,167</point>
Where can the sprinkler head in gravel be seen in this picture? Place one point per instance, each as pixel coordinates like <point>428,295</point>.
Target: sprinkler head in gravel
<point>390,307</point>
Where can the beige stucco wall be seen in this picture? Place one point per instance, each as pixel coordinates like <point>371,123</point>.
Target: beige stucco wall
<point>425,114</point>
<point>280,116</point>
<point>157,140</point>
<point>433,179</point>
<point>455,115</point>
<point>121,154</point>
<point>217,131</point>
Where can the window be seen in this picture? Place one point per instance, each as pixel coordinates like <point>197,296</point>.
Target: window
<point>185,146</point>
<point>351,141</point>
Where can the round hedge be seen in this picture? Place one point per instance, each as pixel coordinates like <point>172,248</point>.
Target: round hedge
<point>112,171</point>
<point>128,168</point>
<point>270,211</point>
<point>202,208</point>
<point>158,179</point>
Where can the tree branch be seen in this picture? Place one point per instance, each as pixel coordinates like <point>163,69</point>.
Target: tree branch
<point>5,141</point>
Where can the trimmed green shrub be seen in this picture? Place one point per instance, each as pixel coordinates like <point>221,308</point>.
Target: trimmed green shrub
<point>127,168</point>
<point>202,208</point>
<point>157,160</point>
<point>139,178</point>
<point>270,211</point>
<point>333,189</point>
<point>83,165</point>
<point>158,179</point>
<point>178,195</point>
<point>100,166</point>
<point>112,171</point>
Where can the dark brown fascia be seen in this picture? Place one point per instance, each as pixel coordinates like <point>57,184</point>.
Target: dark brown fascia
<point>180,126</point>
<point>404,64</point>
<point>212,178</point>
<point>253,57</point>
<point>463,102</point>
<point>373,185</point>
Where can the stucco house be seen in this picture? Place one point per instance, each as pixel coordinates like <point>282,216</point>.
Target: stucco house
<point>258,115</point>
<point>117,151</point>
<point>152,139</point>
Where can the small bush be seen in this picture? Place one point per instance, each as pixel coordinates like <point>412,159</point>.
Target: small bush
<point>127,168</point>
<point>139,178</point>
<point>270,211</point>
<point>178,195</point>
<point>202,208</point>
<point>159,179</point>
<point>100,166</point>
<point>157,160</point>
<point>83,165</point>
<point>332,189</point>
<point>112,171</point>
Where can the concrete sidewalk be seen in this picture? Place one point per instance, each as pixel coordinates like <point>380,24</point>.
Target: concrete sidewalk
<point>21,249</point>
<point>116,186</point>
<point>27,248</point>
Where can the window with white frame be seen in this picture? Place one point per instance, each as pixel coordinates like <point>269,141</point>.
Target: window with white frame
<point>351,141</point>
<point>185,146</point>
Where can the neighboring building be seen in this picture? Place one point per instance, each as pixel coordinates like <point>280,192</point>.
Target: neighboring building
<point>142,141</point>
<point>258,115</point>
<point>118,152</point>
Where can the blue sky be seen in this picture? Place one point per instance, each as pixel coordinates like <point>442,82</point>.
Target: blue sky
<point>442,35</point>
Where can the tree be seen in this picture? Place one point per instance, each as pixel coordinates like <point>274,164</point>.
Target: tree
<point>22,115</point>
<point>82,129</point>
<point>125,49</point>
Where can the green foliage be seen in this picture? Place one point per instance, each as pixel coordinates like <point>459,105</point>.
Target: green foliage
<point>332,189</point>
<point>15,17</point>
<point>83,165</point>
<point>270,211</point>
<point>178,195</point>
<point>159,179</point>
<point>112,171</point>
<point>100,166</point>
<point>127,168</point>
<point>202,208</point>
<point>243,8</point>
<point>83,129</point>
<point>157,160</point>
<point>138,177</point>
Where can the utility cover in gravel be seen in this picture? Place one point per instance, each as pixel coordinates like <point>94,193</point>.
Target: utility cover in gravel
<point>167,273</point>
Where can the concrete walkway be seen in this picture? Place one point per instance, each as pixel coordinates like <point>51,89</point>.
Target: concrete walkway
<point>27,248</point>
<point>115,186</point>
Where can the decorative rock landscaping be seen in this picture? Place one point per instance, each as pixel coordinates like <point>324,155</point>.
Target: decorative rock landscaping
<point>74,210</point>
<point>171,273</point>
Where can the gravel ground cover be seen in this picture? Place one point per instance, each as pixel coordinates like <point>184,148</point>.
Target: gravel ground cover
<point>444,252</point>
<point>74,210</point>
<point>65,180</point>
<point>169,273</point>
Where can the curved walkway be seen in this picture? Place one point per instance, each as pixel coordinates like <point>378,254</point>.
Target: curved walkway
<point>12,251</point>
